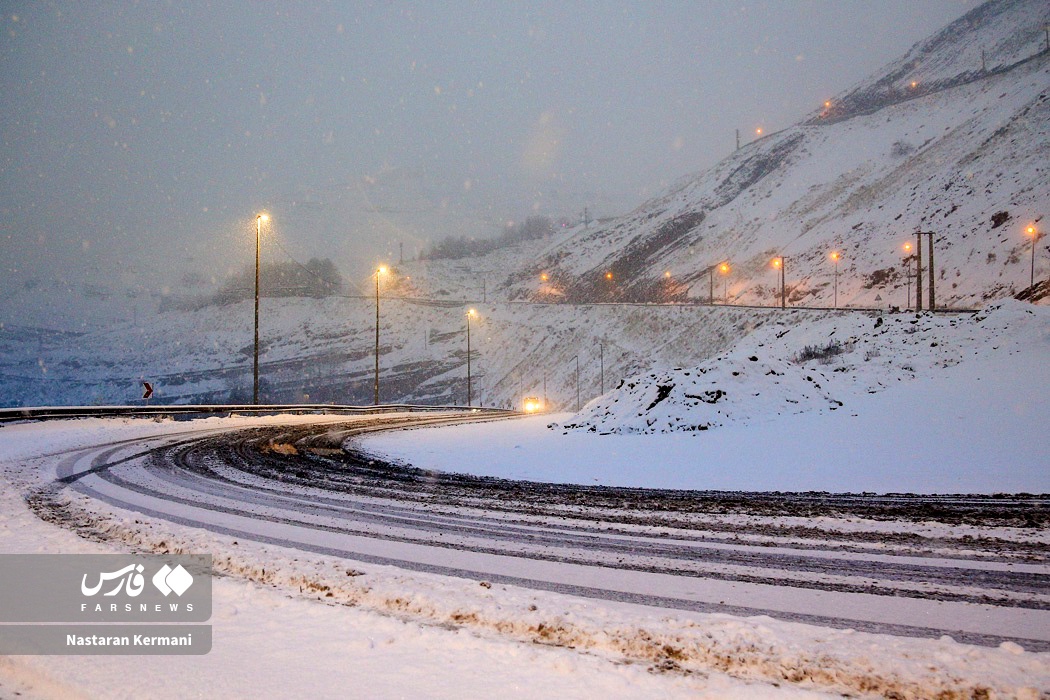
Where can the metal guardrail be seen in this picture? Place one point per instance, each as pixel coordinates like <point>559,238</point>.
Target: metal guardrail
<point>8,415</point>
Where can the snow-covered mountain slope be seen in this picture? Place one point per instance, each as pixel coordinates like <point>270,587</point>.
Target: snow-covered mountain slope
<point>933,143</point>
<point>787,368</point>
<point>322,350</point>
<point>964,154</point>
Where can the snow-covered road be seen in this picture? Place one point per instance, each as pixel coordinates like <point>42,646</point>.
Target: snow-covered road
<point>650,547</point>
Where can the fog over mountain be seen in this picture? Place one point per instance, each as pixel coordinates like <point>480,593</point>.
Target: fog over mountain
<point>139,140</point>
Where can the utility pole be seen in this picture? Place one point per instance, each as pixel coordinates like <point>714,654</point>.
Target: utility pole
<point>918,270</point>
<point>783,286</point>
<point>468,361</point>
<point>577,383</point>
<point>933,276</point>
<point>601,355</point>
<point>781,262</point>
<point>586,218</point>
<point>577,359</point>
<point>738,139</point>
<point>918,274</point>
<point>376,393</point>
<point>255,364</point>
<point>258,258</point>
<point>711,285</point>
<point>401,253</point>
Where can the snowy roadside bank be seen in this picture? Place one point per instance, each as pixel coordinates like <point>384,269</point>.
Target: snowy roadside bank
<point>272,613</point>
<point>947,405</point>
<point>422,634</point>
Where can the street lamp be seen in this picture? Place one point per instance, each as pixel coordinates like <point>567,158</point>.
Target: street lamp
<point>1036,235</point>
<point>380,271</point>
<point>835,257</point>
<point>724,269</point>
<point>908,247</point>
<point>780,263</point>
<point>258,257</point>
<point>471,313</point>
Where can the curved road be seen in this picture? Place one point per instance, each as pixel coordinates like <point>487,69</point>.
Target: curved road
<point>295,487</point>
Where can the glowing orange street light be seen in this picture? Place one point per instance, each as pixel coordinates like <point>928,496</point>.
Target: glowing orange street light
<point>380,271</point>
<point>1036,235</point>
<point>724,269</point>
<point>471,313</point>
<point>914,84</point>
<point>835,257</point>
<point>827,105</point>
<point>908,247</point>
<point>780,263</point>
<point>667,275</point>
<point>608,275</point>
<point>758,131</point>
<point>544,277</point>
<point>258,246</point>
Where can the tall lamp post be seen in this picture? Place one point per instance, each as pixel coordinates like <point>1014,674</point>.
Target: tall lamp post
<point>780,263</point>
<point>908,259</point>
<point>724,269</point>
<point>835,257</point>
<point>258,257</point>
<point>1036,235</point>
<point>380,271</point>
<point>471,313</point>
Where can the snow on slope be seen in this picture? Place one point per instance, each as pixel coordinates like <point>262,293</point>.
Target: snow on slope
<point>769,375</point>
<point>859,177</point>
<point>323,349</point>
<point>948,156</point>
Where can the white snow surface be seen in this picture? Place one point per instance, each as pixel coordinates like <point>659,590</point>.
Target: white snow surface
<point>929,404</point>
<point>294,624</point>
<point>273,641</point>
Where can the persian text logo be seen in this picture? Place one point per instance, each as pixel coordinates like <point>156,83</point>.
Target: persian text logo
<point>169,580</point>
<point>129,578</point>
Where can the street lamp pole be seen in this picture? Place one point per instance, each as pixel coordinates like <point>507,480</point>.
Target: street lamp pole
<point>907,272</point>
<point>470,313</point>
<point>835,257</point>
<point>780,263</point>
<point>258,258</point>
<point>1036,235</point>
<point>918,273</point>
<point>918,270</point>
<point>379,271</point>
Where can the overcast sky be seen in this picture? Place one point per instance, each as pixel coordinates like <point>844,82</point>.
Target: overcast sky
<point>144,136</point>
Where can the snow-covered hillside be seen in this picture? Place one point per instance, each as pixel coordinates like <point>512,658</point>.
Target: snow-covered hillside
<point>788,368</point>
<point>962,153</point>
<point>323,350</point>
<point>934,142</point>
